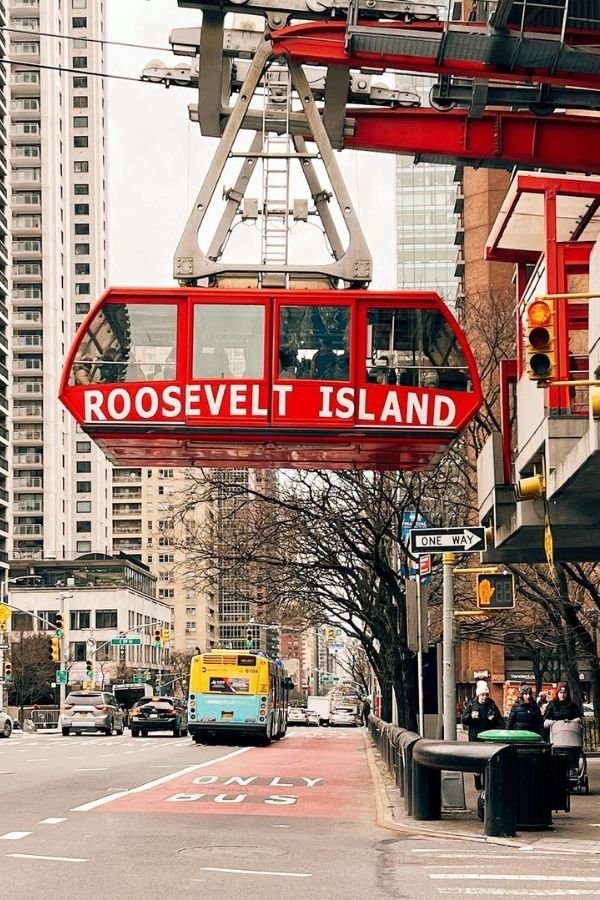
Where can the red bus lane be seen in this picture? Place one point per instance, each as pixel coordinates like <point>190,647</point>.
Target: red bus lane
<point>305,775</point>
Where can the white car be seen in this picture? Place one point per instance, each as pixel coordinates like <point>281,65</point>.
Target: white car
<point>343,717</point>
<point>312,717</point>
<point>6,724</point>
<point>297,716</point>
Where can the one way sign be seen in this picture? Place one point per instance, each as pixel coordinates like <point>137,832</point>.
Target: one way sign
<point>468,539</point>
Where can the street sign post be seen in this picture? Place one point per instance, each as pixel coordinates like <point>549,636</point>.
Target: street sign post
<point>126,641</point>
<point>62,677</point>
<point>466,539</point>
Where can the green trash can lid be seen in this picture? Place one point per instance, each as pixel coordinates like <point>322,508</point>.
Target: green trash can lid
<point>510,737</point>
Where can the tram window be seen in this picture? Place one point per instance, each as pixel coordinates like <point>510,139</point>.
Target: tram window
<point>128,342</point>
<point>415,347</point>
<point>313,342</point>
<point>229,341</point>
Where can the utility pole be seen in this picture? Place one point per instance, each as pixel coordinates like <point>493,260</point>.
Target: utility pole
<point>448,664</point>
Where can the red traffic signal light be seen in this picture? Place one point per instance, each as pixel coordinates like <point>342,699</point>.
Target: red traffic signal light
<point>540,341</point>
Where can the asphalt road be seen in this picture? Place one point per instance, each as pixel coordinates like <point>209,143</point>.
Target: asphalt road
<point>110,817</point>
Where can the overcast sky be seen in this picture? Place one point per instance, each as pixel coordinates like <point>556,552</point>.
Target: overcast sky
<point>157,158</point>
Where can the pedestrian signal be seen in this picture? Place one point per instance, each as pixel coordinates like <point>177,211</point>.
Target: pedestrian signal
<point>7,671</point>
<point>540,341</point>
<point>495,591</point>
<point>54,649</point>
<point>60,625</point>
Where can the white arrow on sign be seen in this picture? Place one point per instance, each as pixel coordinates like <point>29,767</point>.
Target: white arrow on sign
<point>429,542</point>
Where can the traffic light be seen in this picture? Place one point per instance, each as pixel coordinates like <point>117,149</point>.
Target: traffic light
<point>496,591</point>
<point>166,635</point>
<point>540,341</point>
<point>329,634</point>
<point>60,625</point>
<point>122,652</point>
<point>7,671</point>
<point>54,649</point>
<point>89,668</point>
<point>249,639</point>
<point>157,633</point>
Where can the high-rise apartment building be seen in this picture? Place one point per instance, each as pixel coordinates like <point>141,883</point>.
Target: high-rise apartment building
<point>426,230</point>
<point>57,180</point>
<point>4,310</point>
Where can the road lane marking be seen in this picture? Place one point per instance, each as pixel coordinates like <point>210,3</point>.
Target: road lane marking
<point>519,892</point>
<point>51,858</point>
<point>52,821</point>
<point>14,835</point>
<point>483,876</point>
<point>102,801</point>
<point>257,872</point>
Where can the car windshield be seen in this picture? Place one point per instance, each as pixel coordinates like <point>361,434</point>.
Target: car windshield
<point>164,701</point>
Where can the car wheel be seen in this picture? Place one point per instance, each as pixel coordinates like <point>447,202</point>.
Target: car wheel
<point>144,732</point>
<point>7,730</point>
<point>184,732</point>
<point>66,732</point>
<point>109,729</point>
<point>135,732</point>
<point>197,739</point>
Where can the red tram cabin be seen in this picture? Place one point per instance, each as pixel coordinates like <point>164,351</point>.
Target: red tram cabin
<point>271,378</point>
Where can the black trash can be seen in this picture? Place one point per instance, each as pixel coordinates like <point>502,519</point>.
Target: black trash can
<point>535,776</point>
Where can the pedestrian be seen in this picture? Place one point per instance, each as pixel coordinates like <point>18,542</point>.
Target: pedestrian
<point>542,701</point>
<point>525,714</point>
<point>563,708</point>
<point>481,714</point>
<point>366,711</point>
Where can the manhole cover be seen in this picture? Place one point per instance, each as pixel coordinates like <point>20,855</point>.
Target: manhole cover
<point>229,852</point>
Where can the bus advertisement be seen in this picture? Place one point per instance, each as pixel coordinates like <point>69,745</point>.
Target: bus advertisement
<point>237,694</point>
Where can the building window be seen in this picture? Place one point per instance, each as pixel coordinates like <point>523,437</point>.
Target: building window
<point>80,81</point>
<point>190,610</point>
<point>106,618</point>
<point>79,22</point>
<point>82,268</point>
<point>80,102</point>
<point>84,466</point>
<point>82,288</point>
<point>80,62</point>
<point>83,546</point>
<point>78,619</point>
<point>80,140</point>
<point>82,228</point>
<point>81,209</point>
<point>82,249</point>
<point>82,309</point>
<point>83,446</point>
<point>81,165</point>
<point>190,626</point>
<point>78,650</point>
<point>79,4</point>
<point>81,188</point>
<point>80,122</point>
<point>84,487</point>
<point>84,527</point>
<point>84,506</point>
<point>166,593</point>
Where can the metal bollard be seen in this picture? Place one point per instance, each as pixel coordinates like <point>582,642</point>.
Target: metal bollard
<point>427,793</point>
<point>501,795</point>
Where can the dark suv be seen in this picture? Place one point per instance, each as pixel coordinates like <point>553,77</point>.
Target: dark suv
<point>158,714</point>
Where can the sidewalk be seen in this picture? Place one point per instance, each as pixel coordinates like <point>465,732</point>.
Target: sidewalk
<point>576,830</point>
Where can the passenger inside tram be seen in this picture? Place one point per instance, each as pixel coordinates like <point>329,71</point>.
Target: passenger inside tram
<point>320,334</point>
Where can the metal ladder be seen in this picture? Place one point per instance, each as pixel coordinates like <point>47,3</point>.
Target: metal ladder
<point>277,148</point>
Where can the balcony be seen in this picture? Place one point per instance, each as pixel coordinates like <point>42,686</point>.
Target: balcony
<point>36,482</point>
<point>28,459</point>
<point>28,530</point>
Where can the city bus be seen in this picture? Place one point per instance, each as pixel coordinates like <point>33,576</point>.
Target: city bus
<point>237,694</point>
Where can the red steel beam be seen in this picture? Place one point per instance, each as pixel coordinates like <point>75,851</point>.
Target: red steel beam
<point>555,142</point>
<point>323,43</point>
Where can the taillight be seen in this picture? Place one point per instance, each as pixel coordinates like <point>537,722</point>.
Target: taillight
<point>67,706</point>
<point>101,707</point>
<point>170,711</point>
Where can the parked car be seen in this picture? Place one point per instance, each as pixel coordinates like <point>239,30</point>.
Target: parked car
<point>91,711</point>
<point>297,715</point>
<point>6,725</point>
<point>343,717</point>
<point>158,714</point>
